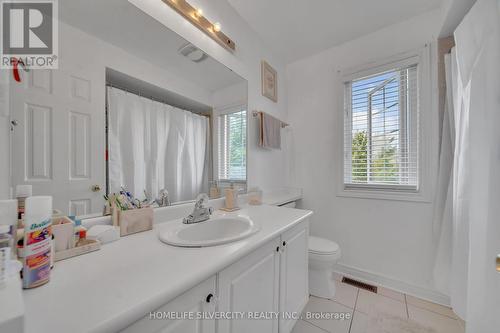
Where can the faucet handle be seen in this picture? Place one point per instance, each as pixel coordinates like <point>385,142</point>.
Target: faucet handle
<point>163,198</point>
<point>201,199</point>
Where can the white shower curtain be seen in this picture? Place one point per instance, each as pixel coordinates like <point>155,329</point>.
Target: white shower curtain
<point>443,203</point>
<point>461,191</point>
<point>451,205</point>
<point>472,72</point>
<point>154,146</point>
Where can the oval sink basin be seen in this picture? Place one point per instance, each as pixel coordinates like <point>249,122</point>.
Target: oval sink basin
<point>217,230</point>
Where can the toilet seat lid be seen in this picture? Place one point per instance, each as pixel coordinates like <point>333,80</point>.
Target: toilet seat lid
<point>322,246</point>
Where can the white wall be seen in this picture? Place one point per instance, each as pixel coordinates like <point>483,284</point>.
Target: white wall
<point>452,13</point>
<point>231,95</point>
<point>381,240</point>
<point>88,53</point>
<point>266,168</point>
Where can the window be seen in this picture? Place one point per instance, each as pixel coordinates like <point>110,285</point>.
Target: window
<point>232,150</point>
<point>381,131</point>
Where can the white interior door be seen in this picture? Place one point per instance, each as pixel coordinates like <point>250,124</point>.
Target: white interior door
<point>477,41</point>
<point>58,146</point>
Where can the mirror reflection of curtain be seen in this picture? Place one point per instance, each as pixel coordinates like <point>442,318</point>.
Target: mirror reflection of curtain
<point>154,146</point>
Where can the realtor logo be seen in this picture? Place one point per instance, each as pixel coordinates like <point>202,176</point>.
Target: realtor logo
<point>29,33</point>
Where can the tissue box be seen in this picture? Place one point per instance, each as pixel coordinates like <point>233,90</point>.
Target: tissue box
<point>135,220</point>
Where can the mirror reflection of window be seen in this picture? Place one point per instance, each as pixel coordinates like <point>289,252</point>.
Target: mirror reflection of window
<point>232,146</point>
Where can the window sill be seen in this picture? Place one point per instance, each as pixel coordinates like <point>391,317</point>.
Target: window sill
<point>232,181</point>
<point>383,194</point>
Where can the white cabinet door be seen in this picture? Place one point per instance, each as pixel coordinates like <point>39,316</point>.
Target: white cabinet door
<point>251,285</point>
<point>294,274</point>
<point>193,302</point>
<point>58,145</point>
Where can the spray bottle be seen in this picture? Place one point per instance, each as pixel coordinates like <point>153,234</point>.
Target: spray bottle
<point>37,241</point>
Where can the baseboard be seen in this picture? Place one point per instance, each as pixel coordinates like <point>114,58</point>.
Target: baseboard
<point>398,285</point>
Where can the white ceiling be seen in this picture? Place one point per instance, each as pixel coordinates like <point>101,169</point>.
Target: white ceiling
<point>297,29</point>
<point>120,23</point>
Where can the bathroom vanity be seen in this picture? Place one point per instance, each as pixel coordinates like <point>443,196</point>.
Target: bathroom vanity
<point>134,284</point>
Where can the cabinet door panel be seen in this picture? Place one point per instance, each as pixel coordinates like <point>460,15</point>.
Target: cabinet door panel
<point>294,277</point>
<point>192,301</point>
<point>251,285</point>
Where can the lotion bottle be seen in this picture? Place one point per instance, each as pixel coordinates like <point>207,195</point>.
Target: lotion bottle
<point>231,195</point>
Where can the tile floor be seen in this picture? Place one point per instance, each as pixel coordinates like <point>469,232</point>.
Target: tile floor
<point>362,305</point>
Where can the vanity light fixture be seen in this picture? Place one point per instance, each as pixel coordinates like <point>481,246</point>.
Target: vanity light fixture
<point>195,16</point>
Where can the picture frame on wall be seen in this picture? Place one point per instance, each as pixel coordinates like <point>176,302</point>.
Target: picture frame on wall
<point>269,81</point>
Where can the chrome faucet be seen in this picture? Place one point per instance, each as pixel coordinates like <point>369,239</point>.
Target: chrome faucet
<point>163,199</point>
<point>200,212</point>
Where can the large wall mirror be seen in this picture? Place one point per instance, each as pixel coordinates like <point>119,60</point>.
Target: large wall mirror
<point>133,105</point>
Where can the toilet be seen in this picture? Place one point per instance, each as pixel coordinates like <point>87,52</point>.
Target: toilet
<point>323,254</point>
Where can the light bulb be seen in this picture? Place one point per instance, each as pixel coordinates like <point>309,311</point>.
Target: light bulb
<point>216,26</point>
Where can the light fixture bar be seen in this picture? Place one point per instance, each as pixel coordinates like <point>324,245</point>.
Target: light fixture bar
<point>195,16</point>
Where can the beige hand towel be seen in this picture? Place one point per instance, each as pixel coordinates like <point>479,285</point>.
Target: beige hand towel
<point>270,132</point>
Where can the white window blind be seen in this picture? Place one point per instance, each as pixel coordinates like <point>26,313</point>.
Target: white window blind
<point>381,131</point>
<point>232,145</point>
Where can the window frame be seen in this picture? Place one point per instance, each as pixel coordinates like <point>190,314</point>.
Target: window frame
<point>224,110</point>
<point>425,133</point>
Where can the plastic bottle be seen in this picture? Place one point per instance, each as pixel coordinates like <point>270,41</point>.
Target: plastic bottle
<point>37,241</point>
<point>8,218</point>
<point>22,192</point>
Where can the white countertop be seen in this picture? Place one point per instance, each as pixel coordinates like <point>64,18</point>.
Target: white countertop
<point>107,290</point>
<point>281,196</point>
<point>12,307</point>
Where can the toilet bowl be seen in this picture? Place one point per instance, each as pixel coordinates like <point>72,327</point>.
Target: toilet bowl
<point>323,254</point>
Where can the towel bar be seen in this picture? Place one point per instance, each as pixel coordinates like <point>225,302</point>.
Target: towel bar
<point>255,114</point>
